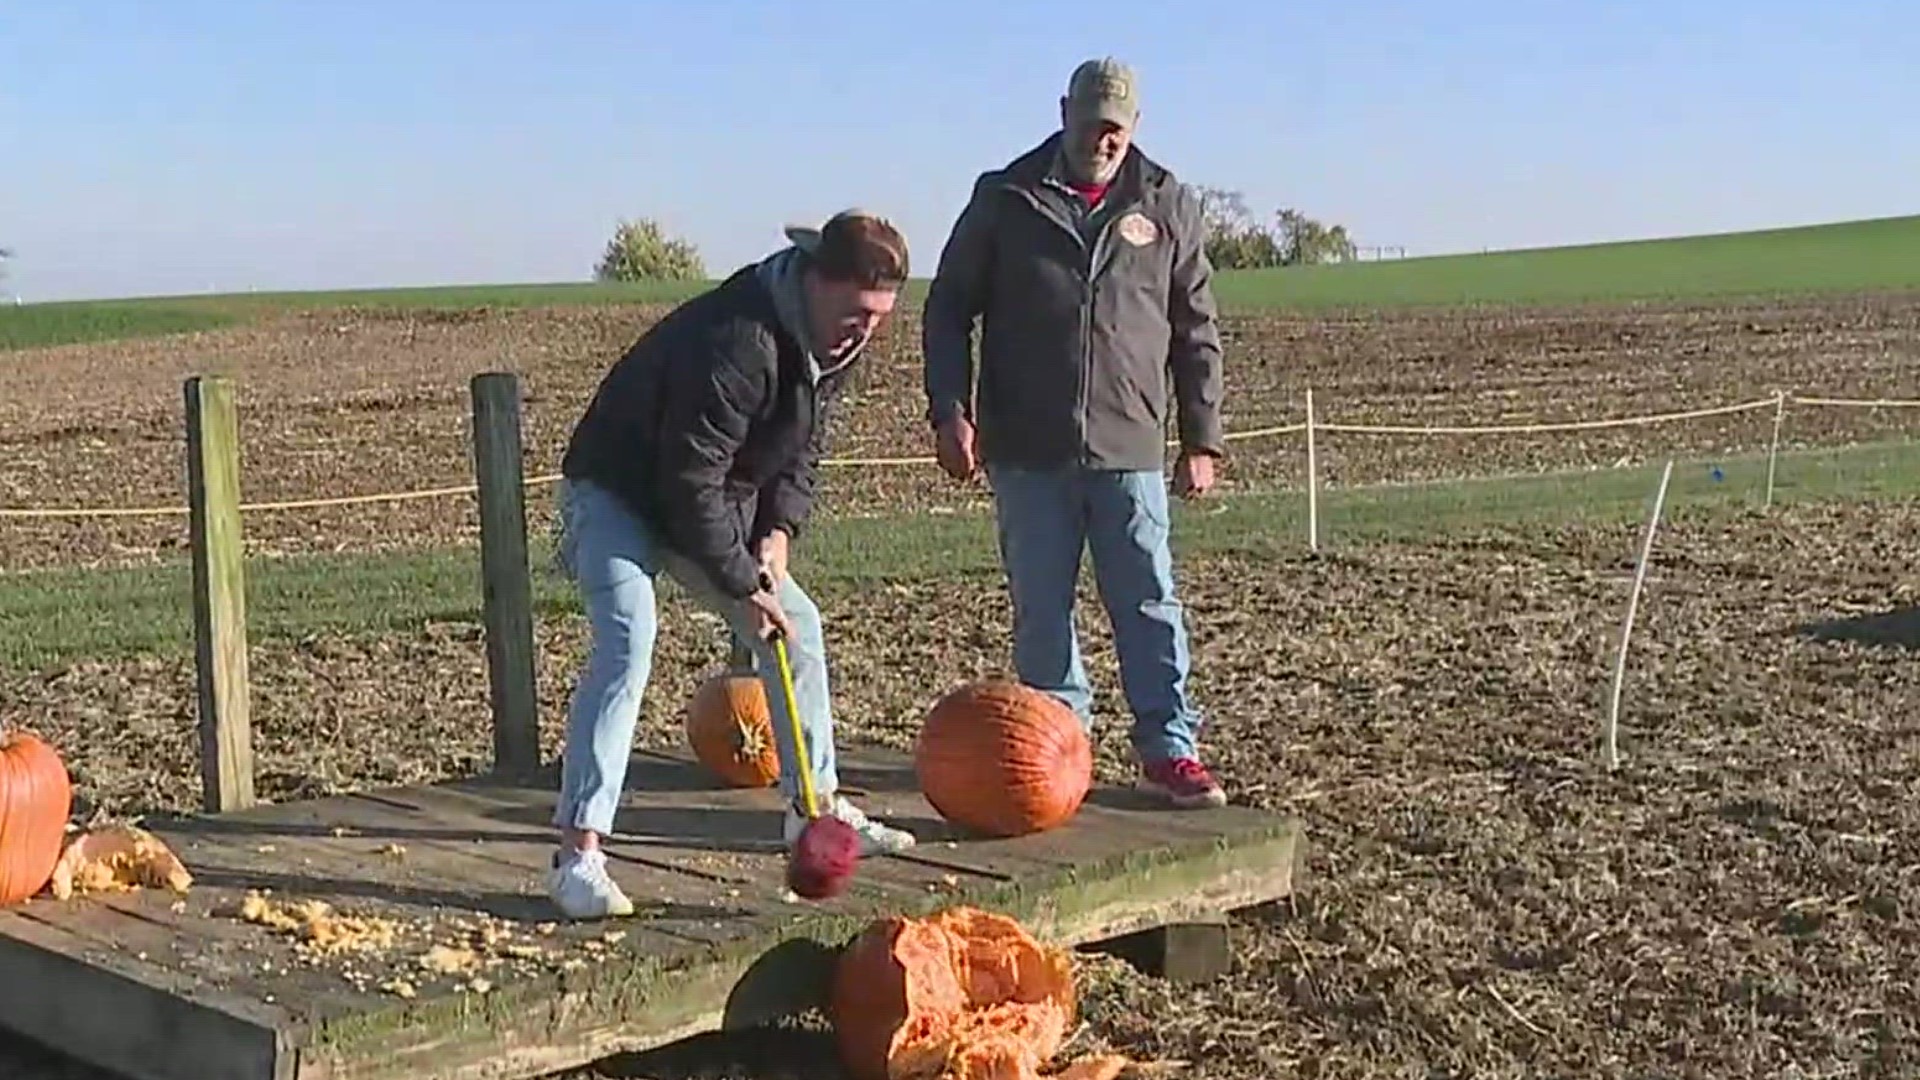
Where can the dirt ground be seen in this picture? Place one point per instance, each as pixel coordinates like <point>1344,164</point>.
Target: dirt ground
<point>351,403</point>
<point>1485,899</point>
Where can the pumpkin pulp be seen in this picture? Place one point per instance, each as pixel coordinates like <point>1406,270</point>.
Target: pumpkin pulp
<point>962,995</point>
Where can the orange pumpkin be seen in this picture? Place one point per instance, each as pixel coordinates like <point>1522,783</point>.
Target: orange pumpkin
<point>962,995</point>
<point>730,728</point>
<point>1004,759</point>
<point>36,795</point>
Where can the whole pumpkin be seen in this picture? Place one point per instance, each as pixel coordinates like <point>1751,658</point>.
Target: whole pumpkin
<point>36,795</point>
<point>964,994</point>
<point>1001,758</point>
<point>730,728</point>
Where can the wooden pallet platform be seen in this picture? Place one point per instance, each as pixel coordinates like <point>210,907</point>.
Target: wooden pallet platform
<point>474,978</point>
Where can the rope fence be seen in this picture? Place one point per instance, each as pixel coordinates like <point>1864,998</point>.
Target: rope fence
<point>1311,427</point>
<point>216,541</point>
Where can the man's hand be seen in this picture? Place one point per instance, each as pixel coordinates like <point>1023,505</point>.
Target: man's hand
<point>763,608</point>
<point>1193,474</point>
<point>772,552</point>
<point>954,446</point>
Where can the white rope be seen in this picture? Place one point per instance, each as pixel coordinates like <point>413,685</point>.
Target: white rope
<point>1538,429</point>
<point>70,513</point>
<point>1856,403</point>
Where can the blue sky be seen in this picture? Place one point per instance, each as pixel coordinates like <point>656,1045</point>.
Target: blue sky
<point>189,145</point>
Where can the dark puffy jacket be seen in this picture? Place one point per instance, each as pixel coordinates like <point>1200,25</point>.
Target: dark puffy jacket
<point>1096,329</point>
<point>711,427</point>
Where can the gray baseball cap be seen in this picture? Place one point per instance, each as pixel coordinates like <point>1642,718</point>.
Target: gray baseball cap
<point>1104,89</point>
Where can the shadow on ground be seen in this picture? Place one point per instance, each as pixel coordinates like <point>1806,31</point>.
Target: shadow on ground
<point>1899,629</point>
<point>770,1053</point>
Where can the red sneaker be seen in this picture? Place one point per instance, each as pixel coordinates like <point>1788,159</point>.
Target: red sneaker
<point>1182,781</point>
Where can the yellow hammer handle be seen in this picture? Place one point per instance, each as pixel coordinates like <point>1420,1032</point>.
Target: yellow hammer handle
<point>793,718</point>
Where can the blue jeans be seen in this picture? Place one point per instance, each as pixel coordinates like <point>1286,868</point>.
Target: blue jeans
<point>1046,518</point>
<point>615,558</point>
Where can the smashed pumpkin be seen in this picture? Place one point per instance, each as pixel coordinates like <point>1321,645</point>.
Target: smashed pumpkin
<point>730,728</point>
<point>118,858</point>
<point>964,994</point>
<point>1002,758</point>
<point>36,795</point>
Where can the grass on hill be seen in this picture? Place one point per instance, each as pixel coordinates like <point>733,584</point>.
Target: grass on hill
<point>1854,256</point>
<point>1873,255</point>
<point>51,618</point>
<point>34,325</point>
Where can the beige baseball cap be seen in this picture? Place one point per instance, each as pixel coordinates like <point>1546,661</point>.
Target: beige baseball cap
<point>1104,89</point>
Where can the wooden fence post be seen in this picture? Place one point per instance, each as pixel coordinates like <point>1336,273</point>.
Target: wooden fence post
<point>505,579</point>
<point>219,595</point>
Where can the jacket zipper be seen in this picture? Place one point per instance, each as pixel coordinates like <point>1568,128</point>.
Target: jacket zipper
<point>1086,311</point>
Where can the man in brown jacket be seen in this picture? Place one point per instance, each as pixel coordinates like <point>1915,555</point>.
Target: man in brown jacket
<point>1084,261</point>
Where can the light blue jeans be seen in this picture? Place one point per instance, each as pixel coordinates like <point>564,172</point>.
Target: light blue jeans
<point>615,558</point>
<point>1046,519</point>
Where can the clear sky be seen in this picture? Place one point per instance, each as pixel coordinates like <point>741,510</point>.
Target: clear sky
<point>190,145</point>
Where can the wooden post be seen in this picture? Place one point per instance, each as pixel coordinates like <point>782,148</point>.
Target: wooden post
<point>1184,952</point>
<point>506,581</point>
<point>219,595</point>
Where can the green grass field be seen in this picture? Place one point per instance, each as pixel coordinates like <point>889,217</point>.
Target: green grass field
<point>54,617</point>
<point>1874,255</point>
<point>1854,256</point>
<point>33,325</point>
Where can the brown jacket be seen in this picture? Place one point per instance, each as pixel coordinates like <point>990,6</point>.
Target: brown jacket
<point>1089,320</point>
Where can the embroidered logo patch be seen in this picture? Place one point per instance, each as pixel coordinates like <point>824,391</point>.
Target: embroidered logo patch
<point>1138,229</point>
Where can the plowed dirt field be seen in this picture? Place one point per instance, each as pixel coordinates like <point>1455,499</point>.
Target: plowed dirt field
<point>1741,898</point>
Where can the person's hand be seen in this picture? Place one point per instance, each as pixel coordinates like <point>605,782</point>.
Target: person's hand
<point>1193,474</point>
<point>772,552</point>
<point>954,447</point>
<point>767,616</point>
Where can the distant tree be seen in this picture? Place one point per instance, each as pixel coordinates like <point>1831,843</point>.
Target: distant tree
<point>1306,242</point>
<point>1236,241</point>
<point>642,251</point>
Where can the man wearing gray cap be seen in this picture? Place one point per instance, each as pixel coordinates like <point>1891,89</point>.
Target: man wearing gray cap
<point>1084,262</point>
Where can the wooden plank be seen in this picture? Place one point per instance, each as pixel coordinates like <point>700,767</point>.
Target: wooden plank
<point>106,1009</point>
<point>204,946</point>
<point>432,927</point>
<point>1184,952</point>
<point>496,871</point>
<point>674,817</point>
<point>219,594</point>
<point>506,582</point>
<point>1114,871</point>
<point>1111,823</point>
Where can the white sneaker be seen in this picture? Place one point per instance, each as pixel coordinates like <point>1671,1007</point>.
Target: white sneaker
<point>581,887</point>
<point>875,838</point>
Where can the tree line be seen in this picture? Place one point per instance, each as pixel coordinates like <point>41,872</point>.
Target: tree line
<point>643,250</point>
